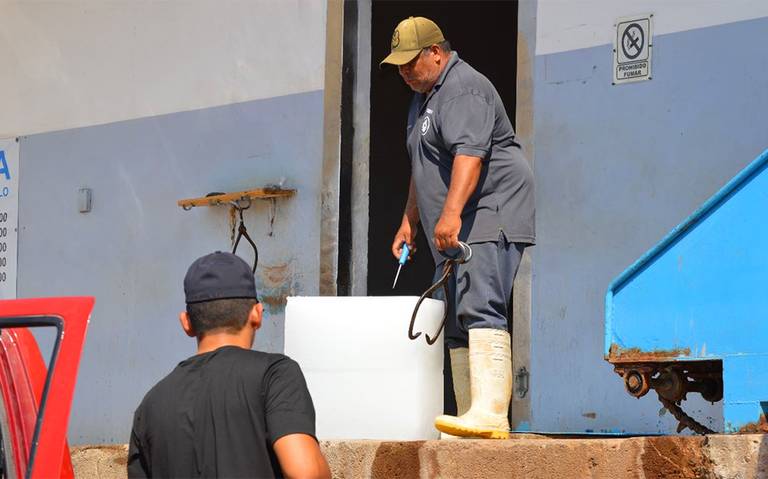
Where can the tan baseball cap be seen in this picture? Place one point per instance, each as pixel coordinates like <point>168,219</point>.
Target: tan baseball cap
<point>410,36</point>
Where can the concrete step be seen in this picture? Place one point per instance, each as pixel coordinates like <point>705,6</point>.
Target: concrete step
<point>523,456</point>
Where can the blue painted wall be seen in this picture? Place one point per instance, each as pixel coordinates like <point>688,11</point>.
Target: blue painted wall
<point>132,250</point>
<point>710,299</point>
<point>691,295</point>
<point>617,167</point>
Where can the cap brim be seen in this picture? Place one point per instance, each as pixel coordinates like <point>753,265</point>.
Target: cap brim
<point>400,58</point>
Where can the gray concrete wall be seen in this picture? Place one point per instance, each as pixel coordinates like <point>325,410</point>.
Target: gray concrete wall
<point>329,212</point>
<point>521,293</point>
<point>361,151</point>
<point>132,250</point>
<point>617,167</point>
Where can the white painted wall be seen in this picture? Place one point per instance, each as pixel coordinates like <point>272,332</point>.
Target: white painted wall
<point>572,24</point>
<point>147,102</point>
<point>73,63</point>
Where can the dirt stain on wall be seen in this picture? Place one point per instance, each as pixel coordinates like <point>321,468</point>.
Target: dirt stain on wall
<point>275,283</point>
<point>675,457</point>
<point>397,460</point>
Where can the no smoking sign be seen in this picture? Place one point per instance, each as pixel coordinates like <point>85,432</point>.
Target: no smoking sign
<point>632,49</point>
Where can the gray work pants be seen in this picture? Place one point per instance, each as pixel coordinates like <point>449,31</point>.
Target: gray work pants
<point>480,290</point>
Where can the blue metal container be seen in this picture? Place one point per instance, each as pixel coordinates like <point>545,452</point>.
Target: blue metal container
<point>692,313</point>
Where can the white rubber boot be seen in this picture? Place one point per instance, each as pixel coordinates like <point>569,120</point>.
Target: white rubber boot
<point>460,374</point>
<point>490,369</point>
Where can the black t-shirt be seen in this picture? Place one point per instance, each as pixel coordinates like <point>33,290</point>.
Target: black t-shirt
<point>218,414</point>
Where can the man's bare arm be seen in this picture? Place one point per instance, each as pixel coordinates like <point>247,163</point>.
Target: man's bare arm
<point>412,207</point>
<point>465,175</point>
<point>409,225</point>
<point>300,457</point>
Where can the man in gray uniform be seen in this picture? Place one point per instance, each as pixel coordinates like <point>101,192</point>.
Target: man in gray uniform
<point>471,183</point>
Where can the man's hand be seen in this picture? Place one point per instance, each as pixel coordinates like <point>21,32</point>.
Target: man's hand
<point>447,231</point>
<point>406,234</point>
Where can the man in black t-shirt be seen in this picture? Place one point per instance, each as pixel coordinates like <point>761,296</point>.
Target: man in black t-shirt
<point>227,411</point>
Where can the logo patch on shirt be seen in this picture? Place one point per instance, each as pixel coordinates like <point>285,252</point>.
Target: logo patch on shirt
<point>425,126</point>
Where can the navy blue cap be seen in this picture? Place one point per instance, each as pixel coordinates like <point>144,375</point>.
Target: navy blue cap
<point>219,276</point>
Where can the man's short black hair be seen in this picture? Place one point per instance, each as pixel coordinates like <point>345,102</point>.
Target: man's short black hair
<point>229,314</point>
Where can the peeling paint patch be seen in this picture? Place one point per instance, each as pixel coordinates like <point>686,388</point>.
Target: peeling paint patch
<point>275,304</point>
<point>275,283</point>
<point>274,276</point>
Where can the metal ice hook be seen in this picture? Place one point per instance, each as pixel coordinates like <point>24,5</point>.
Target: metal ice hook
<point>460,255</point>
<point>242,231</point>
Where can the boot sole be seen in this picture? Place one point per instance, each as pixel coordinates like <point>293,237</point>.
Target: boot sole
<point>471,432</point>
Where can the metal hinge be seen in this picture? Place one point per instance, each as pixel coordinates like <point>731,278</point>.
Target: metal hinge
<point>522,378</point>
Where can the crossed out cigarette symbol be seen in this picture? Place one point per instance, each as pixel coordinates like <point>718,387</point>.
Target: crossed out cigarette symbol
<point>632,40</point>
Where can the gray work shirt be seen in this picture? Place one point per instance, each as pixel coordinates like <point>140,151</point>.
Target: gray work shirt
<point>464,115</point>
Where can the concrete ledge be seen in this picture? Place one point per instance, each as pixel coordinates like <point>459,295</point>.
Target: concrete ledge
<point>525,456</point>
<point>107,462</point>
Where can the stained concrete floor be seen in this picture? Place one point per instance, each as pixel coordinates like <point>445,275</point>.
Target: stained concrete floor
<point>527,456</point>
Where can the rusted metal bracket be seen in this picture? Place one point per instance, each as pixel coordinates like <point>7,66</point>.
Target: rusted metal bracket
<point>241,201</point>
<point>215,199</point>
<point>672,381</point>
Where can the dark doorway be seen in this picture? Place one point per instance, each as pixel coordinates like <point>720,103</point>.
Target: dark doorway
<point>484,33</point>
